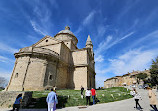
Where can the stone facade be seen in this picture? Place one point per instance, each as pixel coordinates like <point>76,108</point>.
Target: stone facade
<point>126,79</point>
<point>54,61</point>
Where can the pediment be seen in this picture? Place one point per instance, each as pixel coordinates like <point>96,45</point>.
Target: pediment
<point>47,40</point>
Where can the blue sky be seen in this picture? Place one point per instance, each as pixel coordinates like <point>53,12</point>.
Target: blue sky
<point>124,32</point>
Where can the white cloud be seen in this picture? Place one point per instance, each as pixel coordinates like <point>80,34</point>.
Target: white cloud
<point>100,58</point>
<point>7,48</point>
<point>89,18</point>
<point>5,59</point>
<point>151,17</point>
<point>149,36</point>
<point>126,36</point>
<point>33,38</point>
<point>100,81</point>
<point>108,43</point>
<point>132,60</point>
<point>101,29</point>
<point>42,21</point>
<point>126,8</point>
<point>37,28</point>
<point>135,59</point>
<point>102,46</point>
<point>5,74</point>
<point>119,40</point>
<point>101,71</point>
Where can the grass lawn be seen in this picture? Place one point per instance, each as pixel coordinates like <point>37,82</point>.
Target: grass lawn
<point>67,98</point>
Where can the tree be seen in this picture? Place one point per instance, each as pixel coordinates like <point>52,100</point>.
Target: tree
<point>3,82</point>
<point>141,76</point>
<point>154,72</point>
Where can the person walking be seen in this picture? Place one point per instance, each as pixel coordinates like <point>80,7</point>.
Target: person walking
<point>82,89</point>
<point>17,102</point>
<point>136,98</point>
<point>51,99</point>
<point>54,107</point>
<point>152,98</point>
<point>93,93</point>
<point>88,94</point>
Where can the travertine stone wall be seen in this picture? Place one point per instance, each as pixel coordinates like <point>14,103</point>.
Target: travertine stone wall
<point>68,43</point>
<point>66,37</point>
<point>62,76</point>
<point>65,54</point>
<point>54,47</point>
<point>19,73</point>
<point>73,46</point>
<point>79,57</point>
<point>34,74</point>
<point>80,77</point>
<point>50,75</point>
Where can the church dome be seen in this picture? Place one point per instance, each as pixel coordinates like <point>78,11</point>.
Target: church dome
<point>66,31</point>
<point>66,35</point>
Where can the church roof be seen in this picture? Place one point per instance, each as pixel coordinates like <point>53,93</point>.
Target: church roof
<point>67,30</point>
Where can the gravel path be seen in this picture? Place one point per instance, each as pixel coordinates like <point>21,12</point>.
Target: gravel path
<point>124,105</point>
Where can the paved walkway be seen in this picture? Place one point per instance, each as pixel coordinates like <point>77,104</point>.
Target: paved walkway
<point>124,105</point>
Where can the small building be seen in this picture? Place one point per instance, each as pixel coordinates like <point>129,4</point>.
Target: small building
<point>124,80</point>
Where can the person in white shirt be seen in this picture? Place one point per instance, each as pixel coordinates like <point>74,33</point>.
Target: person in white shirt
<point>87,94</point>
<point>136,98</point>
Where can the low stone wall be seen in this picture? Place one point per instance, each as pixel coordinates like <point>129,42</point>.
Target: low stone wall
<point>7,98</point>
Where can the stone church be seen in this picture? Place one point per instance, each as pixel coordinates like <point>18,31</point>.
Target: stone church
<point>54,61</point>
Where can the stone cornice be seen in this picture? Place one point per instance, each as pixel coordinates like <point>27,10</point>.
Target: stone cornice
<point>50,44</point>
<point>83,49</point>
<point>37,51</point>
<point>84,65</point>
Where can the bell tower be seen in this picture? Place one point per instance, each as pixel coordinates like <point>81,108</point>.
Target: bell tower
<point>89,45</point>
